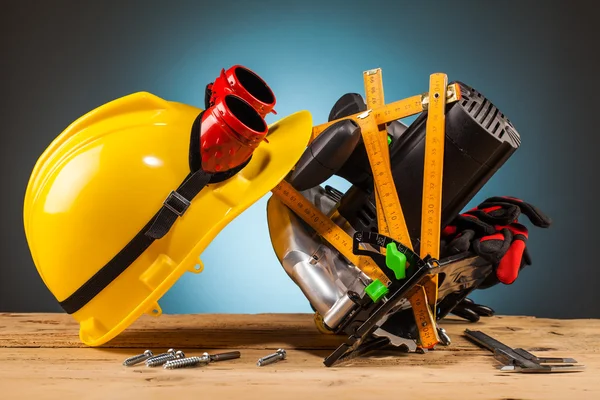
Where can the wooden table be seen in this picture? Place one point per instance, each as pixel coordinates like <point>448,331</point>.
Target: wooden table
<point>41,357</point>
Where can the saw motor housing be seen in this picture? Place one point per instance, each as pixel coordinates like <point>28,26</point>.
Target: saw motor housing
<point>479,140</point>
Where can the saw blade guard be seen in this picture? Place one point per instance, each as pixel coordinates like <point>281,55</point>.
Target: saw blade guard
<point>323,275</point>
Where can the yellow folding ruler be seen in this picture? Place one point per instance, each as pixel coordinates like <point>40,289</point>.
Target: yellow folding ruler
<point>424,298</point>
<point>374,92</point>
<point>327,229</point>
<point>396,110</point>
<point>393,218</point>
<point>384,181</point>
<point>431,210</point>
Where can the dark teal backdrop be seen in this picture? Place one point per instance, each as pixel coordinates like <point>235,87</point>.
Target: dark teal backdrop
<point>534,60</point>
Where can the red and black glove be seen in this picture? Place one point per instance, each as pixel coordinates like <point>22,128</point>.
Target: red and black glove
<point>492,231</point>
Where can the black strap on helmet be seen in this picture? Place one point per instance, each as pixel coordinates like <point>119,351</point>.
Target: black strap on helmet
<point>174,206</point>
<point>207,95</point>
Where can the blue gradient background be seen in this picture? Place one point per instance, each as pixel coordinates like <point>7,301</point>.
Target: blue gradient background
<point>63,59</point>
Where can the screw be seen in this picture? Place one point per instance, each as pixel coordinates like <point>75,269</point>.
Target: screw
<point>138,359</point>
<point>160,360</point>
<point>223,356</point>
<point>186,362</point>
<point>170,351</point>
<point>271,358</point>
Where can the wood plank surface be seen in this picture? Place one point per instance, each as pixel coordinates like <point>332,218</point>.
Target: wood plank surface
<point>41,357</point>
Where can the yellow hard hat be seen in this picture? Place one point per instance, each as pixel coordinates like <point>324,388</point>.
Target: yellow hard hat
<point>101,184</point>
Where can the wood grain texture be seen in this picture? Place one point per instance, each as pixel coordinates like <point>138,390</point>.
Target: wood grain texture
<point>41,357</point>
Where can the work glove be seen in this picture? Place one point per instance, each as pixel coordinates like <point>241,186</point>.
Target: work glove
<point>472,311</point>
<point>492,231</point>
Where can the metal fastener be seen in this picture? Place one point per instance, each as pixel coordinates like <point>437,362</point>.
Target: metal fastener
<point>162,359</point>
<point>138,359</point>
<point>222,356</point>
<point>280,354</point>
<point>168,352</point>
<point>186,362</point>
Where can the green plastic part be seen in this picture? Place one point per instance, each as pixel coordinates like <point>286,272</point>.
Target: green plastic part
<point>395,260</point>
<point>376,290</point>
<point>389,139</point>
